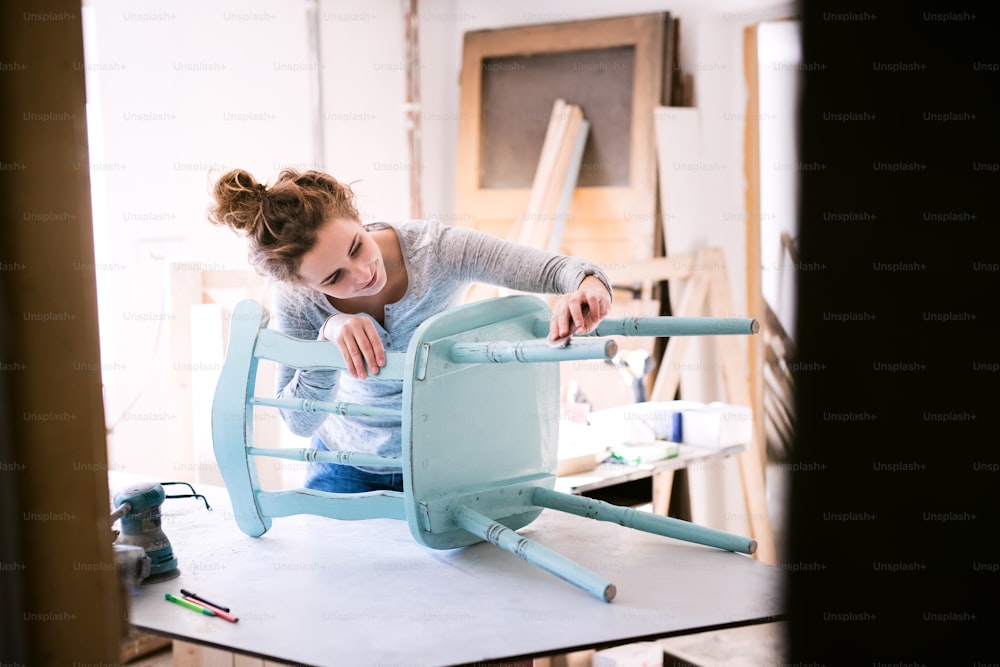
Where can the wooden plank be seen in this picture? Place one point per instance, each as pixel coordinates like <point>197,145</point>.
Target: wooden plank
<point>413,109</point>
<point>554,137</point>
<point>751,168</point>
<point>556,173</point>
<point>570,179</point>
<point>541,221</point>
<point>533,217</point>
<point>569,127</point>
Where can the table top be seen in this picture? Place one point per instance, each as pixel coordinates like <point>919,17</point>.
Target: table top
<point>320,591</point>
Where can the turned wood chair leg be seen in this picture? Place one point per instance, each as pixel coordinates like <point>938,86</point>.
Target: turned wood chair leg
<point>528,550</point>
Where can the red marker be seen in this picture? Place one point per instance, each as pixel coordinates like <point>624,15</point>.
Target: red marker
<point>212,608</point>
<point>200,599</point>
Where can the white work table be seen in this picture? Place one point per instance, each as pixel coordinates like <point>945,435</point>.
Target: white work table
<point>319,591</point>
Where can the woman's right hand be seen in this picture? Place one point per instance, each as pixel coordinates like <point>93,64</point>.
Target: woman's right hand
<point>358,342</point>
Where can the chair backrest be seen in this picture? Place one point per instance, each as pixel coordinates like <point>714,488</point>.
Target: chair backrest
<point>250,341</point>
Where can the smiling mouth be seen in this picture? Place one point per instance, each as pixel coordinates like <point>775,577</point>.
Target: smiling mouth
<point>371,282</point>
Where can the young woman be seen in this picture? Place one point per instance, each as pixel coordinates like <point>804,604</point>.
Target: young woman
<point>366,288</point>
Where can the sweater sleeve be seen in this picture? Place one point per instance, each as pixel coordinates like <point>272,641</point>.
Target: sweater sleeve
<point>478,257</point>
<point>298,317</point>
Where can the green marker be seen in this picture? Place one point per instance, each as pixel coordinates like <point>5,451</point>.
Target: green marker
<point>190,605</point>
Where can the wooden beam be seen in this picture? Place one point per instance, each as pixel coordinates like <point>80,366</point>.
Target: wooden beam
<point>413,109</point>
<point>653,270</point>
<point>754,289</point>
<point>552,176</point>
<point>525,228</point>
<point>551,192</point>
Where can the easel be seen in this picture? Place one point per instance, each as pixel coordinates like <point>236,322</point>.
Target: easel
<point>705,293</point>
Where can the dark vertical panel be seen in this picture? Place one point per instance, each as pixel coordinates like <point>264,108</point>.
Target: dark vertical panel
<point>894,483</point>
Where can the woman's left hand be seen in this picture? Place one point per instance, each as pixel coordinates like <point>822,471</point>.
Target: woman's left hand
<point>579,311</point>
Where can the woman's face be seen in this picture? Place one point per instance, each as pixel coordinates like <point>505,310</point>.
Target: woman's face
<point>345,262</point>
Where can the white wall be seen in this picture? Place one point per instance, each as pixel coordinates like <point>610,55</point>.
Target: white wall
<point>363,81</point>
<point>175,90</point>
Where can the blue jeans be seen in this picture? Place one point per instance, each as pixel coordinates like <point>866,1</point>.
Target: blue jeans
<point>339,478</point>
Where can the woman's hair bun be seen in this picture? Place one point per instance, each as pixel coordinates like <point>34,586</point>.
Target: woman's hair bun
<point>239,201</point>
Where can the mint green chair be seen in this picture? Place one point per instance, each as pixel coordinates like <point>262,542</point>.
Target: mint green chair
<point>480,423</point>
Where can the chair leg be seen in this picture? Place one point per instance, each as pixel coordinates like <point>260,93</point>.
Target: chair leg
<point>644,521</point>
<point>526,549</point>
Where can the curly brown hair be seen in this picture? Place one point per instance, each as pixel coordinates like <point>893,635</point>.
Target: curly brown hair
<point>280,222</point>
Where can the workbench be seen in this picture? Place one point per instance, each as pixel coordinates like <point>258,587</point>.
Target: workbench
<point>318,591</point>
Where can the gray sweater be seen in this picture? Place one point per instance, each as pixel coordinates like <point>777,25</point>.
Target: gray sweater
<point>441,262</point>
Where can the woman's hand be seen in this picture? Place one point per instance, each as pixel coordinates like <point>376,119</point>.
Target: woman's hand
<point>358,342</point>
<point>578,312</point>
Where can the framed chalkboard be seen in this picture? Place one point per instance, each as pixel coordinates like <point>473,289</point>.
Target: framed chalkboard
<point>516,113</point>
<point>614,70</point>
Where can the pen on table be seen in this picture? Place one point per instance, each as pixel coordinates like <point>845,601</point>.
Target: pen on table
<point>202,600</point>
<point>216,610</point>
<point>190,605</point>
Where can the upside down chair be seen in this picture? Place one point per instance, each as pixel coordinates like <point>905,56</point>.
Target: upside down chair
<point>471,472</point>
